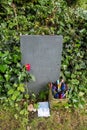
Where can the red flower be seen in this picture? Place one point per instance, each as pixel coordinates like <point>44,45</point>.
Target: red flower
<point>28,67</point>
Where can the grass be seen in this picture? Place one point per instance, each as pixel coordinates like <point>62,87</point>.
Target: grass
<point>60,119</point>
<point>8,121</point>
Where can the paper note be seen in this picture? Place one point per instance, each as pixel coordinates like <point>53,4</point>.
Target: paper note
<point>43,109</point>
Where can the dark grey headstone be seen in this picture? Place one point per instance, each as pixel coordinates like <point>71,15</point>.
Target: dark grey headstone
<point>44,55</point>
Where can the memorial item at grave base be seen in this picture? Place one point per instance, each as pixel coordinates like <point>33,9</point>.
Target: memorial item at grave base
<point>28,67</point>
<point>58,93</point>
<point>31,108</point>
<point>59,89</point>
<point>43,109</point>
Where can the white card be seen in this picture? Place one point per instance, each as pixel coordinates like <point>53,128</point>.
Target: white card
<point>43,109</point>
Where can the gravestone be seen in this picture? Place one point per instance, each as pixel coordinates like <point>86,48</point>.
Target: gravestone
<point>44,55</point>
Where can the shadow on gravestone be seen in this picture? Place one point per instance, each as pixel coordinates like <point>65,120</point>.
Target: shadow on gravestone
<point>44,55</point>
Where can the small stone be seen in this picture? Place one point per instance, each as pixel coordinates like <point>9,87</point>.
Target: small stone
<point>34,110</point>
<point>30,107</point>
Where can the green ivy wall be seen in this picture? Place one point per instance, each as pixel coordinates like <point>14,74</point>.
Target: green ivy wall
<point>51,17</point>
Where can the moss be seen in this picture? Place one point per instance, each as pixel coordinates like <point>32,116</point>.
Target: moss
<point>8,121</point>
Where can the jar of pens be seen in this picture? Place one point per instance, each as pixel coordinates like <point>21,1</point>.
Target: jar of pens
<point>58,93</point>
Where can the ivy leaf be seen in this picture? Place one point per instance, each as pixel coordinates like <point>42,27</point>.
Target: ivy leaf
<point>11,91</point>
<point>13,97</point>
<point>8,86</point>
<point>22,112</point>
<point>3,68</point>
<point>81,94</point>
<point>75,81</point>
<point>27,96</point>
<point>16,93</point>
<point>21,88</point>
<point>1,78</point>
<point>7,76</point>
<point>19,98</point>
<point>75,100</point>
<point>32,77</point>
<point>15,58</point>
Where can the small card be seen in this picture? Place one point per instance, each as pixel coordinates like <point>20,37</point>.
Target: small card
<point>43,109</point>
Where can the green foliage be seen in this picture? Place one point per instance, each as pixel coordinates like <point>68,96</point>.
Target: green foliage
<point>82,3</point>
<point>74,57</point>
<point>71,2</point>
<point>12,75</point>
<point>43,95</point>
<point>50,17</point>
<point>8,121</point>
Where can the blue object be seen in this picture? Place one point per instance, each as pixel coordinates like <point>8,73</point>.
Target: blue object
<point>56,95</point>
<point>53,90</point>
<point>63,87</point>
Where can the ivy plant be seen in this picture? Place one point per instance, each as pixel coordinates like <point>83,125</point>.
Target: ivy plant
<point>44,17</point>
<point>12,76</point>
